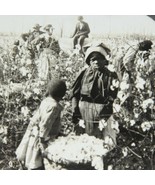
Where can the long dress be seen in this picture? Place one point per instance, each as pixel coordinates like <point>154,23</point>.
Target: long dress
<point>94,96</point>
<point>45,124</point>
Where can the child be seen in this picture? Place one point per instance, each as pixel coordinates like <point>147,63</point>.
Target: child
<point>44,125</point>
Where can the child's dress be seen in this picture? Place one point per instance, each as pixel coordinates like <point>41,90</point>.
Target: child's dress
<point>45,124</point>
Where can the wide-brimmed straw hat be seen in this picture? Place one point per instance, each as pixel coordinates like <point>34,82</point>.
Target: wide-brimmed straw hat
<point>97,48</point>
<point>36,26</point>
<point>49,26</point>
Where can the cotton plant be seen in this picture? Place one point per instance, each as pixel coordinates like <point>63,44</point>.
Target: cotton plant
<point>102,124</point>
<point>140,83</point>
<point>108,142</point>
<point>141,100</point>
<point>111,68</point>
<point>124,89</point>
<point>81,123</point>
<point>146,126</point>
<point>36,91</point>
<point>125,151</point>
<point>115,84</point>
<point>132,122</point>
<point>151,62</point>
<point>148,104</point>
<point>116,107</point>
<point>25,111</point>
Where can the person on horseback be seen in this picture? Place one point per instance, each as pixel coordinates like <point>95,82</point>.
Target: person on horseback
<point>16,49</point>
<point>81,32</point>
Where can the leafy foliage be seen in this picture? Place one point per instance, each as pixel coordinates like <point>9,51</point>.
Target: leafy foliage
<point>21,92</point>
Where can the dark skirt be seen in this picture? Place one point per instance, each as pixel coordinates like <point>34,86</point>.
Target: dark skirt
<point>92,113</point>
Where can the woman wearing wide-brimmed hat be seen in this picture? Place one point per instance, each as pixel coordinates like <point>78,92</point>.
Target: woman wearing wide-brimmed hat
<point>48,52</point>
<point>49,41</point>
<point>93,92</point>
<point>48,28</point>
<point>37,27</point>
<point>32,34</point>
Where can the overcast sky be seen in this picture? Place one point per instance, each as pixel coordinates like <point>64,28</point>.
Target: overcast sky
<point>99,24</point>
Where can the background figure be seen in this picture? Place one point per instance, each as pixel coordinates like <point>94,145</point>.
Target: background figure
<point>133,62</point>
<point>94,91</point>
<point>44,125</point>
<point>49,40</point>
<point>31,35</point>
<point>16,49</point>
<point>125,64</point>
<point>81,32</point>
<point>48,52</point>
<point>1,72</point>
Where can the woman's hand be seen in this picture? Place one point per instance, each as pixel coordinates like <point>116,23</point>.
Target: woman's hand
<point>42,145</point>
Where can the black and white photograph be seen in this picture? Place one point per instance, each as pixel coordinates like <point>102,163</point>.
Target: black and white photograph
<point>77,92</point>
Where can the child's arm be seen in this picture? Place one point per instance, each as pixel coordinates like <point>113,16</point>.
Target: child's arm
<point>48,117</point>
